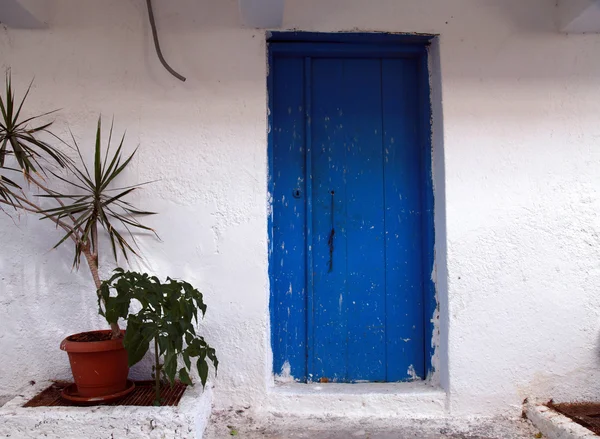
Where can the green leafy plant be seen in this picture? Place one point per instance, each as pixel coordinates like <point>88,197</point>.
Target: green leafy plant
<point>89,205</point>
<point>166,318</point>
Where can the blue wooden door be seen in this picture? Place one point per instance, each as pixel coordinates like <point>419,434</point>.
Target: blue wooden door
<point>347,262</point>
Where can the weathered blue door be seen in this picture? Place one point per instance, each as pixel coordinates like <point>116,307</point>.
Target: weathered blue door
<point>347,262</point>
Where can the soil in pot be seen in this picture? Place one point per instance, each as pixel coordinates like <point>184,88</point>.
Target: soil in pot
<point>98,363</point>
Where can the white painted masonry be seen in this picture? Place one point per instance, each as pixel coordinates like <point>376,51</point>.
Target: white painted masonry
<point>187,420</point>
<point>517,160</point>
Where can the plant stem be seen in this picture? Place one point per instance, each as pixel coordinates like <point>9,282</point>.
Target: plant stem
<point>93,265</point>
<point>156,373</point>
<point>95,241</point>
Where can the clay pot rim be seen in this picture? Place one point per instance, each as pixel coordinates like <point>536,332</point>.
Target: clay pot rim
<point>92,346</point>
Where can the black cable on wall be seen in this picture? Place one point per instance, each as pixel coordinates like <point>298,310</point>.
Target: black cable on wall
<point>157,44</point>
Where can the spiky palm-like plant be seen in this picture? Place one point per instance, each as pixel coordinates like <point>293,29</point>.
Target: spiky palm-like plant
<point>18,139</point>
<point>90,204</point>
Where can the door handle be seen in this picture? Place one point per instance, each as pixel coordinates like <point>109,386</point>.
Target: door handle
<point>332,233</point>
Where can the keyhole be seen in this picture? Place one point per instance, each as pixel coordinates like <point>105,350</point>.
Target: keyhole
<point>297,193</point>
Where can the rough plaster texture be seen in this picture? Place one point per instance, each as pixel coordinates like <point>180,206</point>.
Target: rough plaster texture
<point>516,181</point>
<point>188,420</point>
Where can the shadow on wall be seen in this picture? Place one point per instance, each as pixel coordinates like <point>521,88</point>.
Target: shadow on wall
<point>179,16</point>
<point>560,387</point>
<point>34,317</point>
<point>193,15</point>
<point>43,300</point>
<point>513,39</point>
<point>529,17</point>
<point>435,16</point>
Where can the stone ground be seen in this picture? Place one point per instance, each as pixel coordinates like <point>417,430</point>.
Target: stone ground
<point>242,424</point>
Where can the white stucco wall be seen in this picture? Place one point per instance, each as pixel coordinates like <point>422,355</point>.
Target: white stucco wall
<point>520,307</point>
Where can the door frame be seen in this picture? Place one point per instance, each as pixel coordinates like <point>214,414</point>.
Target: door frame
<point>316,44</point>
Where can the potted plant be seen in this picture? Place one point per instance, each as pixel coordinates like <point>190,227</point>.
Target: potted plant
<point>166,317</point>
<point>98,359</point>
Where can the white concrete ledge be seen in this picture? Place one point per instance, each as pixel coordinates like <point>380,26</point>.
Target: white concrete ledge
<point>404,400</point>
<point>554,425</point>
<point>188,420</point>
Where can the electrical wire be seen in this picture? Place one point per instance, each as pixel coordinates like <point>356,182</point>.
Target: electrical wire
<point>157,44</point>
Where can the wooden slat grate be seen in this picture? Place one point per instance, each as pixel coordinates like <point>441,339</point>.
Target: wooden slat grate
<point>584,413</point>
<point>142,395</point>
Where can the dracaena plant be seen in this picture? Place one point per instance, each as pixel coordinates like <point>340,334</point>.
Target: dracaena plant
<point>21,151</point>
<point>89,203</point>
<point>168,312</point>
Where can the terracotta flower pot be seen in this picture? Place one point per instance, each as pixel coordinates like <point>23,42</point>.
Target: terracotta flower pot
<point>99,364</point>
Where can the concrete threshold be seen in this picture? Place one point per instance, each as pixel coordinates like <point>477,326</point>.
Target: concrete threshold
<point>402,400</point>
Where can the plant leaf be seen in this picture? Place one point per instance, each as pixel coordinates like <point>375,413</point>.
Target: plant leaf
<point>184,376</point>
<point>202,371</point>
<point>136,344</point>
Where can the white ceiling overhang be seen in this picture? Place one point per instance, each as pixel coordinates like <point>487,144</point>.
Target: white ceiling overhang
<point>24,14</point>
<point>264,14</point>
<point>578,16</point>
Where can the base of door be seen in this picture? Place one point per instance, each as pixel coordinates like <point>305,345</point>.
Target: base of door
<point>417,399</point>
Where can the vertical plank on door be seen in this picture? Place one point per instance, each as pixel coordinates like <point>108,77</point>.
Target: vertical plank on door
<point>310,305</point>
<point>288,259</point>
<point>329,281</point>
<point>403,183</point>
<point>365,300</point>
<point>348,161</point>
